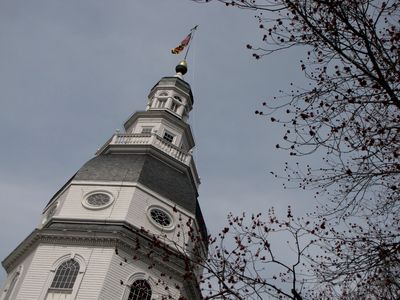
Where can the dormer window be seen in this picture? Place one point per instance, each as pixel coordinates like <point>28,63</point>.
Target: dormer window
<point>169,137</point>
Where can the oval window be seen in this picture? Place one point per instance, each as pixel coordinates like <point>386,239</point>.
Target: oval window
<point>97,200</point>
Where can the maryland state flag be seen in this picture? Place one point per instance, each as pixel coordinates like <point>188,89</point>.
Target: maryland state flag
<point>184,42</point>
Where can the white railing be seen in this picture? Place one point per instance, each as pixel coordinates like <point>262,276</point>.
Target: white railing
<point>149,139</point>
<point>131,139</point>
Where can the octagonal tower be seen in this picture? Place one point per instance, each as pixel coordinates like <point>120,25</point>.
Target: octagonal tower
<point>106,233</point>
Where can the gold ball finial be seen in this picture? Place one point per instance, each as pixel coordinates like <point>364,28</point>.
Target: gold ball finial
<point>181,67</point>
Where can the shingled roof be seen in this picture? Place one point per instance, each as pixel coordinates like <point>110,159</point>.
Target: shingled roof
<point>145,169</point>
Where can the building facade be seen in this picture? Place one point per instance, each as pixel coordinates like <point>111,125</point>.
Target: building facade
<point>127,225</point>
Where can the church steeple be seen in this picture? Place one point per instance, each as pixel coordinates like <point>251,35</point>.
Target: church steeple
<point>141,184</point>
<point>163,126</point>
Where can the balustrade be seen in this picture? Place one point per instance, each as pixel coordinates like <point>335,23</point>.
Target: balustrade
<point>151,139</point>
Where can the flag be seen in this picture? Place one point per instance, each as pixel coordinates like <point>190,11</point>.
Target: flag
<point>182,45</point>
<point>184,42</point>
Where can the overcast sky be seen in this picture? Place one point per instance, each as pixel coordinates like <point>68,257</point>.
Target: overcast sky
<point>71,72</point>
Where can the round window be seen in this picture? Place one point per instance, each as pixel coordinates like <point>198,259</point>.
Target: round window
<point>160,218</point>
<point>97,200</point>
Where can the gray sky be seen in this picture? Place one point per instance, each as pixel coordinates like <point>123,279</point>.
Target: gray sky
<point>71,72</point>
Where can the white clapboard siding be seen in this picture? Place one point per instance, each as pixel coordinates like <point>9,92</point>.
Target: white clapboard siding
<point>137,215</point>
<point>73,208</point>
<point>22,269</point>
<point>93,279</point>
<point>45,256</point>
<point>126,273</point>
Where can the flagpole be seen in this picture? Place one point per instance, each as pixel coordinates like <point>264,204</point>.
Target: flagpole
<point>193,30</point>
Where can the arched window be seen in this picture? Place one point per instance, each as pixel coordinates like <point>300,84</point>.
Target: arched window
<point>140,290</point>
<point>66,275</point>
<point>64,279</point>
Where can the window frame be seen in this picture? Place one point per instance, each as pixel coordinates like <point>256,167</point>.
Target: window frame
<point>135,277</point>
<point>168,228</point>
<point>64,279</point>
<point>54,268</point>
<point>146,129</point>
<point>147,290</point>
<point>178,98</point>
<point>166,132</point>
<point>87,205</point>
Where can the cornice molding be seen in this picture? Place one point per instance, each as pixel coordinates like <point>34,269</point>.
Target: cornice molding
<point>119,235</point>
